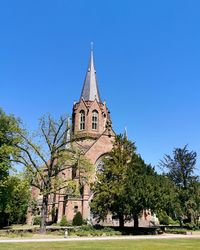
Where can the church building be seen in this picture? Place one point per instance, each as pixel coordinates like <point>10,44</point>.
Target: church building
<point>94,137</point>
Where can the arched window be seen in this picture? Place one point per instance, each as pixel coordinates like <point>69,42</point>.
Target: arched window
<point>82,120</point>
<point>94,120</point>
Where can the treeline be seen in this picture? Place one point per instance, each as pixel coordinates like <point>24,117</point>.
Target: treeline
<point>124,187</point>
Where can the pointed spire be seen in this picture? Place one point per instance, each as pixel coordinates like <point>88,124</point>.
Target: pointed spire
<point>90,90</point>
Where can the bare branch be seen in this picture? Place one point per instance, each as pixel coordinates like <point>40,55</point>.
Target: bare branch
<point>31,160</point>
<point>46,138</point>
<point>58,130</point>
<point>34,148</point>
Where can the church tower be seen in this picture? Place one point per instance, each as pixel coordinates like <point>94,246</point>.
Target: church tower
<point>91,117</point>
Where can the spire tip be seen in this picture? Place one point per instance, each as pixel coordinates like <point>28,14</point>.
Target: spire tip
<point>91,46</point>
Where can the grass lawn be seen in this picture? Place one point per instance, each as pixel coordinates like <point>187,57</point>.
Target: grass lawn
<point>171,244</point>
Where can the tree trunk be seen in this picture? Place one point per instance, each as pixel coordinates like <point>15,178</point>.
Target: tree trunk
<point>121,220</point>
<point>44,214</point>
<point>136,221</point>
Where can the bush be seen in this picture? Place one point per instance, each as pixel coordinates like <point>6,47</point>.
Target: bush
<point>191,226</point>
<point>165,219</point>
<point>77,220</point>
<point>86,228</point>
<point>108,229</point>
<point>36,220</point>
<point>63,221</point>
<point>91,231</point>
<point>176,231</point>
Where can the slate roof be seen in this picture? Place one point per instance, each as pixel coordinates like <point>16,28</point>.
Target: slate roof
<point>90,89</point>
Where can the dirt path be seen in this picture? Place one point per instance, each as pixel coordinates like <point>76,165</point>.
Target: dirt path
<point>143,237</point>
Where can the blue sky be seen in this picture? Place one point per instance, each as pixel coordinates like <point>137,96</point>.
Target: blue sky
<point>147,57</point>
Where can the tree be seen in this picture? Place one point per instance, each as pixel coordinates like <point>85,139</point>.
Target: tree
<point>46,157</point>
<point>139,188</point>
<point>9,125</point>
<point>145,189</point>
<point>193,203</point>
<point>109,190</point>
<point>181,168</point>
<point>78,219</point>
<point>18,195</point>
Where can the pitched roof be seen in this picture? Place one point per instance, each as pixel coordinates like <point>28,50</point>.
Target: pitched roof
<point>90,89</point>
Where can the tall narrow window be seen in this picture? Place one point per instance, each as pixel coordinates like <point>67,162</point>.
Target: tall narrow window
<point>94,120</point>
<point>82,120</point>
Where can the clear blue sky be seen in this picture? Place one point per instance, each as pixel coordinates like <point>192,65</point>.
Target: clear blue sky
<point>147,57</point>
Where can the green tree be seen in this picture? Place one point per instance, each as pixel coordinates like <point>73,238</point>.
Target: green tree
<point>109,190</point>
<point>145,189</point>
<point>192,203</point>
<point>166,197</point>
<point>78,219</point>
<point>9,125</point>
<point>181,167</point>
<point>47,156</point>
<point>139,188</point>
<point>63,221</point>
<point>18,194</point>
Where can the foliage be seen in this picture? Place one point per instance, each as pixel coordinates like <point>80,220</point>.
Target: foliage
<point>109,189</point>
<point>19,195</point>
<point>181,168</point>
<point>192,203</point>
<point>13,203</point>
<point>63,221</point>
<point>140,188</point>
<point>78,219</point>
<point>36,220</point>
<point>88,230</point>
<point>126,186</point>
<point>165,219</point>
<point>176,231</point>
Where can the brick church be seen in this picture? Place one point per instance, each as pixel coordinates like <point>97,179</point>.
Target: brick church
<point>92,128</point>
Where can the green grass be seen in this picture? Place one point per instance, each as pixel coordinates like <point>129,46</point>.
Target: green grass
<point>171,244</point>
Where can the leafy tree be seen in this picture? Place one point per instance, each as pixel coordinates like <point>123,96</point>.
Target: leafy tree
<point>166,197</point>
<point>145,189</point>
<point>63,221</point>
<point>109,190</point>
<point>47,156</point>
<point>181,168</point>
<point>18,194</point>
<point>139,188</point>
<point>77,220</point>
<point>192,203</point>
<point>9,125</point>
